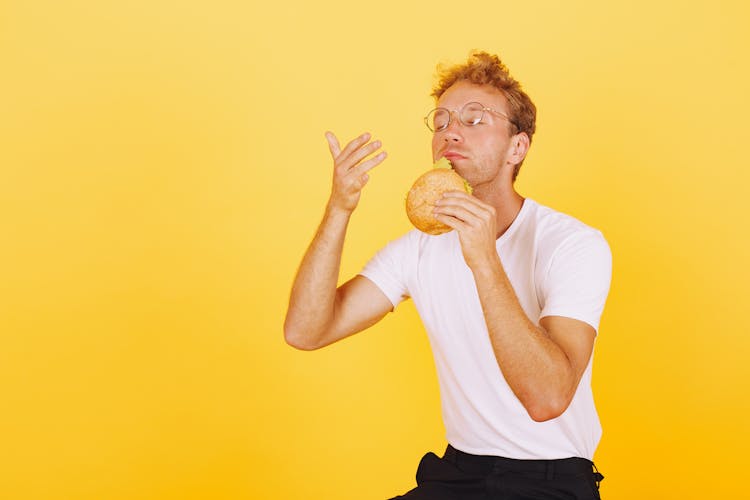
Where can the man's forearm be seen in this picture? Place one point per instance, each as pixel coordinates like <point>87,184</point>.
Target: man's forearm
<point>535,367</point>
<point>312,301</point>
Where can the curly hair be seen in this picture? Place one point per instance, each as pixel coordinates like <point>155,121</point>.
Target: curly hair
<point>487,69</point>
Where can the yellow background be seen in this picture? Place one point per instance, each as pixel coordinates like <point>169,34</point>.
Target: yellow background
<point>163,168</point>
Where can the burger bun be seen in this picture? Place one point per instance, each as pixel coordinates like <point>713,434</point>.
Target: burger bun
<point>426,191</point>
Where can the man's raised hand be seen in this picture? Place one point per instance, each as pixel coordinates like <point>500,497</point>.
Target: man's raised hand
<point>350,167</point>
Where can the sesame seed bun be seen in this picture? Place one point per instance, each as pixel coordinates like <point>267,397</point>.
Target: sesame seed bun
<point>427,189</point>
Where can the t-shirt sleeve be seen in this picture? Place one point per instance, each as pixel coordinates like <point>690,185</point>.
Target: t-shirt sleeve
<point>388,269</point>
<point>578,278</point>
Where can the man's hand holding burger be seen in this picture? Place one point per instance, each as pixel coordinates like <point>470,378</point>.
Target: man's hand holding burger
<point>441,200</point>
<point>350,167</point>
<point>475,222</point>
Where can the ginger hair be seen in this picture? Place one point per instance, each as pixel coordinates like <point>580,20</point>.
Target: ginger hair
<point>487,69</point>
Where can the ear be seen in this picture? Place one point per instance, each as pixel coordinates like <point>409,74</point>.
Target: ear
<point>520,146</point>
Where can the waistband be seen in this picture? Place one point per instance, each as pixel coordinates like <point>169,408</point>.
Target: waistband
<point>484,464</point>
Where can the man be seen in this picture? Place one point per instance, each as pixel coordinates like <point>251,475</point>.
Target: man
<point>511,300</point>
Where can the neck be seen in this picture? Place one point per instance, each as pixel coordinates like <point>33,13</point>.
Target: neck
<point>507,203</point>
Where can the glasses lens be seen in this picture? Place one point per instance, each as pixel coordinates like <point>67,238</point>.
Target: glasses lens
<point>438,119</point>
<point>472,113</point>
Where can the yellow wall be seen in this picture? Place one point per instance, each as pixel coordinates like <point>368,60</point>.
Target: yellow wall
<point>163,168</point>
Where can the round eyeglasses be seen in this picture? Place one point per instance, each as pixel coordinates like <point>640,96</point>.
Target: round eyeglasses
<point>471,114</point>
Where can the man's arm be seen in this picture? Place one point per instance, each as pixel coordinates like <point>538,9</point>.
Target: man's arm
<point>543,364</point>
<point>319,313</point>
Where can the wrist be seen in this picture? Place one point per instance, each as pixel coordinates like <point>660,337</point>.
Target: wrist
<point>487,267</point>
<point>337,212</point>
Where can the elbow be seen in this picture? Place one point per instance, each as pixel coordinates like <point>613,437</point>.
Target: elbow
<point>301,346</point>
<point>297,339</point>
<point>547,410</point>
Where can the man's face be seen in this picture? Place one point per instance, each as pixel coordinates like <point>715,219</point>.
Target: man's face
<point>476,152</point>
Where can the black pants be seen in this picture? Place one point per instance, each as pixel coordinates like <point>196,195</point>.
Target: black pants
<point>461,476</point>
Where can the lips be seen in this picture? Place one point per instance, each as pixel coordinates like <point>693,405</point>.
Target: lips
<point>452,155</point>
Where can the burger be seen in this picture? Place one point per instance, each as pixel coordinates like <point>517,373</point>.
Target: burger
<point>429,188</point>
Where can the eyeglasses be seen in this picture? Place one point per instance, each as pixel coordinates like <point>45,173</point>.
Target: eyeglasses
<point>471,114</point>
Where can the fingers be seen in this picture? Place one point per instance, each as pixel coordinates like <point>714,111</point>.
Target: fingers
<point>456,218</point>
<point>464,207</point>
<point>450,221</point>
<point>371,163</point>
<point>350,159</point>
<point>449,196</point>
<point>348,162</point>
<point>355,152</point>
<point>353,145</point>
<point>351,165</point>
<point>474,221</point>
<point>363,180</point>
<point>333,144</point>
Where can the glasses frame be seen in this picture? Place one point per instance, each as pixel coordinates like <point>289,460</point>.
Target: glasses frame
<point>460,120</point>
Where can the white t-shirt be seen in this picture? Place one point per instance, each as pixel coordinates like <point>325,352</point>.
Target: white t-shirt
<point>557,266</point>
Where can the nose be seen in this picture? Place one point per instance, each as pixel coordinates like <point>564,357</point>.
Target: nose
<point>452,133</point>
<point>446,138</point>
